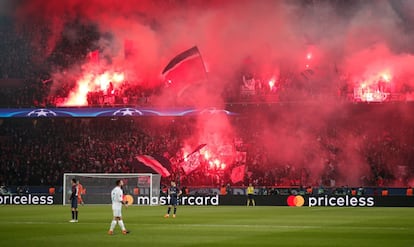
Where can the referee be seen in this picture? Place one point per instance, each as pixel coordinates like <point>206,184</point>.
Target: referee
<point>250,195</point>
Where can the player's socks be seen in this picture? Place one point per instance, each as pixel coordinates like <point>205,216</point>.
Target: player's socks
<point>169,210</point>
<point>121,224</point>
<point>73,215</point>
<point>175,210</point>
<point>76,215</point>
<point>113,224</point>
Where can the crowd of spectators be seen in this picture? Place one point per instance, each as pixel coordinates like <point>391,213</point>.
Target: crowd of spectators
<point>382,161</point>
<point>28,61</point>
<point>39,151</point>
<point>29,57</point>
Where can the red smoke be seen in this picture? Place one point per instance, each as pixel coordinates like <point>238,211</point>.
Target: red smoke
<point>315,48</point>
<point>158,30</point>
<point>275,34</point>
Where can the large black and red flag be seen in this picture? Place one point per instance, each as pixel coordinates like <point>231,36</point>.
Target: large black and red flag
<point>186,67</point>
<point>153,164</point>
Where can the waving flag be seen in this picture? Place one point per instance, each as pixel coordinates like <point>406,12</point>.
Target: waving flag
<point>237,174</point>
<point>198,148</point>
<point>187,66</point>
<point>154,164</point>
<point>191,164</point>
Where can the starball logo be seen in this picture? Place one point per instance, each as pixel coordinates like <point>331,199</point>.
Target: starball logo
<point>331,201</point>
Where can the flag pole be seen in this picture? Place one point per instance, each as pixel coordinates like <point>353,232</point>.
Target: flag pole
<point>204,64</point>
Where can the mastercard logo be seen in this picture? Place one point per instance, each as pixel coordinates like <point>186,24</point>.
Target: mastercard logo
<point>295,201</point>
<point>129,199</point>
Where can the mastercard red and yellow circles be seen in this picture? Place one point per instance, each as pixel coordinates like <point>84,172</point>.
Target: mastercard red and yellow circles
<point>129,199</point>
<point>295,201</point>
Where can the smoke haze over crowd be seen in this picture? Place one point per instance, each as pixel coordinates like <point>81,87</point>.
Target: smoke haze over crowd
<point>342,43</point>
<point>275,35</point>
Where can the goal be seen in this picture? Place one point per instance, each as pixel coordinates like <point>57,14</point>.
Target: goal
<point>98,186</point>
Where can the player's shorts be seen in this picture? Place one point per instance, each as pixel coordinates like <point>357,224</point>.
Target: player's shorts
<point>250,196</point>
<point>74,202</point>
<point>174,201</point>
<point>117,212</point>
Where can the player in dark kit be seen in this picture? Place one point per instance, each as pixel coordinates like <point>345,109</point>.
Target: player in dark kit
<point>74,201</point>
<point>173,193</point>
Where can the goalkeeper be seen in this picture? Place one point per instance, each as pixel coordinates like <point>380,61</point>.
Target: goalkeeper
<point>173,193</point>
<point>117,202</point>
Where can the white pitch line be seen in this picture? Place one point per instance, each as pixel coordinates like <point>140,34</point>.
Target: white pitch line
<point>216,225</point>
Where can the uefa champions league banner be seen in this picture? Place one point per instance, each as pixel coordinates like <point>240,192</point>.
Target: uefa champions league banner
<point>106,112</point>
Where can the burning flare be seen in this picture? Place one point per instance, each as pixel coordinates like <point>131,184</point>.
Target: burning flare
<point>105,82</point>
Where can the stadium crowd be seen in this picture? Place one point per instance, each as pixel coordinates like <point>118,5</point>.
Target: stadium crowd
<point>39,151</point>
<point>26,73</point>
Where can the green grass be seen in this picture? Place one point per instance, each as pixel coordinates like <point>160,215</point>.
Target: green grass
<point>209,226</point>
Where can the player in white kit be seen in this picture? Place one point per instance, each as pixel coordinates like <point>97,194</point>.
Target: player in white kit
<point>117,202</point>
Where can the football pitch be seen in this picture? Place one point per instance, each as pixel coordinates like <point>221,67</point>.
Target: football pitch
<point>208,226</point>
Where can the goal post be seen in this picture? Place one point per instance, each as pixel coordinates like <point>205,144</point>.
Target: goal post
<point>98,186</point>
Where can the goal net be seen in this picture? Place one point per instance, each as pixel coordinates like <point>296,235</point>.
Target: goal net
<point>97,187</point>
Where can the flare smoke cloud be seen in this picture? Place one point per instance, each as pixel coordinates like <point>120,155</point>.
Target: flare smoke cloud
<point>350,42</point>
